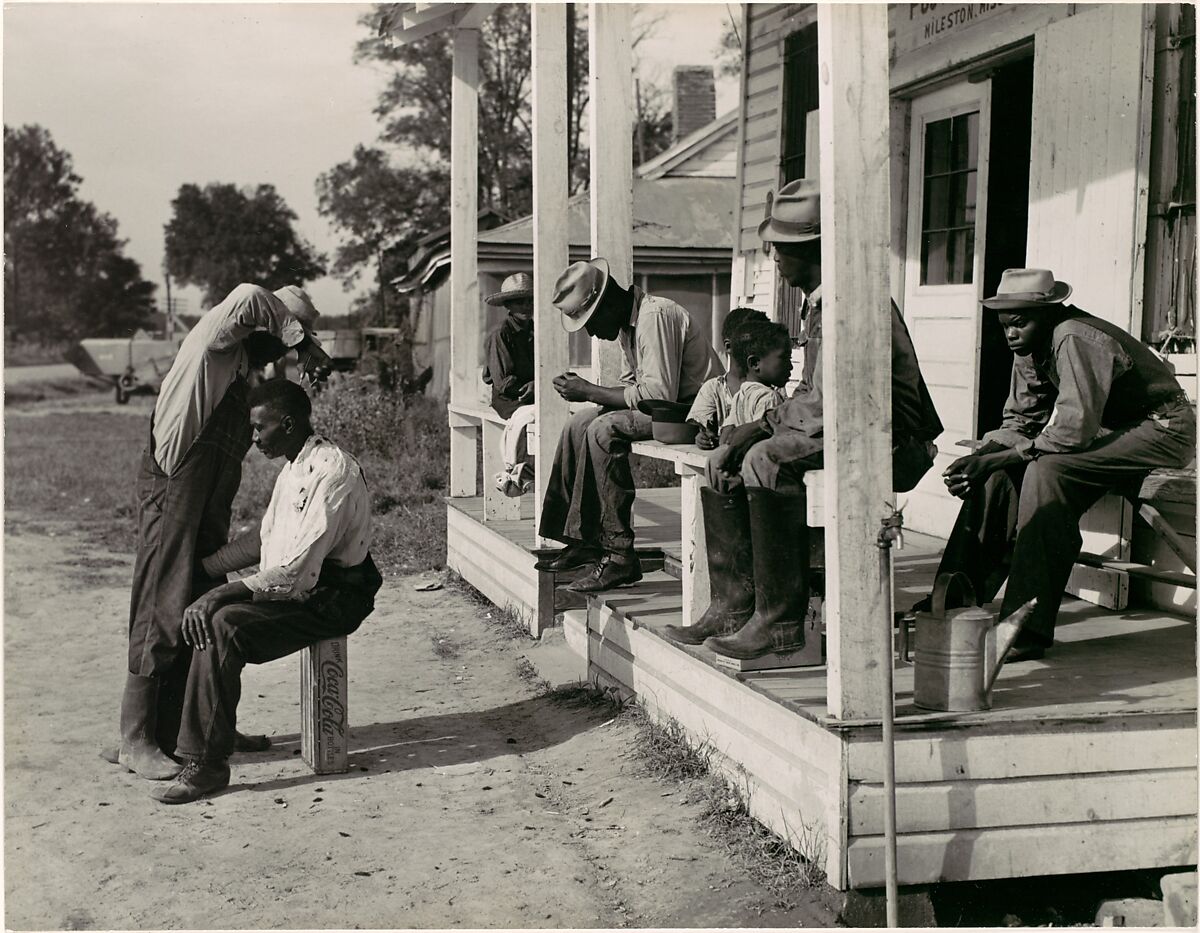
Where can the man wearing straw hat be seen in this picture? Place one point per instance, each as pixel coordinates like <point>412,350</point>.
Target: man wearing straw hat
<point>189,475</point>
<point>754,512</point>
<point>589,500</point>
<point>509,347</point>
<point>1090,410</point>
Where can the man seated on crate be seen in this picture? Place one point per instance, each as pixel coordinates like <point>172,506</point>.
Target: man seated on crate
<point>316,580</point>
<point>1091,410</point>
<point>509,371</point>
<point>589,499</point>
<point>754,512</point>
<point>714,401</point>
<point>189,474</point>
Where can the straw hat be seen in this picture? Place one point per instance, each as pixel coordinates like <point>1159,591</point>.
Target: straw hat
<point>1028,288</point>
<point>296,300</point>
<point>794,214</point>
<point>578,291</point>
<point>516,286</point>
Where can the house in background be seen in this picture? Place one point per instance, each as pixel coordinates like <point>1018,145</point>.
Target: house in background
<point>684,201</point>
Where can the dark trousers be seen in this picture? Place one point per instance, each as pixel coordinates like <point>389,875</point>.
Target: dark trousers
<point>590,494</point>
<point>1023,525</point>
<point>262,631</point>
<point>181,519</point>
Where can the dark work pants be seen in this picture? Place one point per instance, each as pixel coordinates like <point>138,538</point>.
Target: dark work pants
<point>182,518</point>
<point>590,494</point>
<point>258,632</point>
<point>1023,525</point>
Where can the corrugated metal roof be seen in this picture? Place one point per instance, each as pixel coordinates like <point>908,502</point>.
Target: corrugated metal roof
<point>670,213</point>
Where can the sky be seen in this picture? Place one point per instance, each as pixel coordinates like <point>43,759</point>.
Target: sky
<point>147,97</point>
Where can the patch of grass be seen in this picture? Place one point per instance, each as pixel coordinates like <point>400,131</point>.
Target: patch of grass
<point>649,473</point>
<point>49,389</point>
<point>528,673</point>
<point>23,352</point>
<point>444,646</point>
<point>786,867</point>
<point>588,695</point>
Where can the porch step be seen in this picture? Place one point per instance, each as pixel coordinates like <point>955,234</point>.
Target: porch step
<point>1146,572</point>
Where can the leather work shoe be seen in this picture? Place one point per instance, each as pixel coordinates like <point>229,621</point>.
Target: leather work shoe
<point>241,743</point>
<point>1030,653</point>
<point>572,557</point>
<point>198,777</point>
<point>608,574</point>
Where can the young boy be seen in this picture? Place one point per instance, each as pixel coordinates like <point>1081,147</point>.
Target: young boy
<point>714,401</point>
<point>762,350</point>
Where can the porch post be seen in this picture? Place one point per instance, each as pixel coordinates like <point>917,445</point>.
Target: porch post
<point>550,345</point>
<point>465,324</point>
<point>610,138</point>
<point>855,251</point>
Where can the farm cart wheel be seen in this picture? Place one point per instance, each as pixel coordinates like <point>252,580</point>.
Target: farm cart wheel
<point>125,385</point>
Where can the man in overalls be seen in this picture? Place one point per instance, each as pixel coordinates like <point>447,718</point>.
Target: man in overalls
<point>189,475</point>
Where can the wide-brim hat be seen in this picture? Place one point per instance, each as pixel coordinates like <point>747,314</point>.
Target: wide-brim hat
<point>1028,288</point>
<point>668,421</point>
<point>296,300</point>
<point>517,286</point>
<point>794,214</point>
<point>578,291</point>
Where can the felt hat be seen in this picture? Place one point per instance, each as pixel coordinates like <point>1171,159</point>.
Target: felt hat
<point>516,286</point>
<point>668,421</point>
<point>1028,288</point>
<point>794,214</point>
<point>578,291</point>
<point>296,300</point>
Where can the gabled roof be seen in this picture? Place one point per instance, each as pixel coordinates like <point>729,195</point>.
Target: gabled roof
<point>689,147</point>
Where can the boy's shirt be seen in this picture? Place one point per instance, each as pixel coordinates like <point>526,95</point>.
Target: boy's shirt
<point>752,401</point>
<point>713,401</point>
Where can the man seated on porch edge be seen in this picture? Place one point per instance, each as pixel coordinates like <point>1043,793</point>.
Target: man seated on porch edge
<point>589,499</point>
<point>1090,410</point>
<point>754,510</point>
<point>316,580</point>
<point>509,371</point>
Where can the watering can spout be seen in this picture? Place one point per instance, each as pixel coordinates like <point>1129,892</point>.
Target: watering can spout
<point>1007,631</point>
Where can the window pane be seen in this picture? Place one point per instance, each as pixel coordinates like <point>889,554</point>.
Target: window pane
<point>937,204</point>
<point>969,203</point>
<point>937,147</point>
<point>933,259</point>
<point>972,132</point>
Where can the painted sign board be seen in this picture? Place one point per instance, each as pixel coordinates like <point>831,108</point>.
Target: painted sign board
<point>919,25</point>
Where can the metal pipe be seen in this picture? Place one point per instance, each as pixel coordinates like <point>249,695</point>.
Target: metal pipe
<point>889,532</point>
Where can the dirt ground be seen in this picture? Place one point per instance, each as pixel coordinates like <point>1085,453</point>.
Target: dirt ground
<point>472,801</point>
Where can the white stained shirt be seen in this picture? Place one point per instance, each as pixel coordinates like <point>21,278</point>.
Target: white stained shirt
<point>210,358</point>
<point>319,511</point>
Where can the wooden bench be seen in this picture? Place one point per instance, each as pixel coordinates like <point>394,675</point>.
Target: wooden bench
<point>692,561</point>
<point>324,724</point>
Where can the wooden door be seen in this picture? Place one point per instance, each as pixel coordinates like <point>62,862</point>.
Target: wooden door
<point>1087,212</point>
<point>947,188</point>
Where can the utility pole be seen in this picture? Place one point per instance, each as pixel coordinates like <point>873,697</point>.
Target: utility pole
<point>383,319</point>
<point>170,309</point>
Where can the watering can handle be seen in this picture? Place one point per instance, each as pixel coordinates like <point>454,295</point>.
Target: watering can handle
<point>942,587</point>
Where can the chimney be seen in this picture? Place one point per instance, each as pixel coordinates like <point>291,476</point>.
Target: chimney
<point>695,103</point>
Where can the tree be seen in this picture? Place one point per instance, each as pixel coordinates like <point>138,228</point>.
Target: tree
<point>65,272</point>
<point>220,236</point>
<point>381,211</point>
<point>729,51</point>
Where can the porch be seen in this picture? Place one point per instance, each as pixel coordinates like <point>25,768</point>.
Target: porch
<point>1086,761</point>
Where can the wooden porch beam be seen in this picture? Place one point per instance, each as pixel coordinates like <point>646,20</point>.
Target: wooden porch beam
<point>550,347</point>
<point>465,314</point>
<point>610,131</point>
<point>855,250</point>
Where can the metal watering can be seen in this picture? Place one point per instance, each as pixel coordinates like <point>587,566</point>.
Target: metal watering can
<point>960,652</point>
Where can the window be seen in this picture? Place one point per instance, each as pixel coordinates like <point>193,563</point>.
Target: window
<point>800,98</point>
<point>948,210</point>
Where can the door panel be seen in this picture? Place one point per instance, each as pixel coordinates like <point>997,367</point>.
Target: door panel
<point>944,271</point>
<point>1086,159</point>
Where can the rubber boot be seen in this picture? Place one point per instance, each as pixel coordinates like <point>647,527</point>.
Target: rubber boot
<point>139,713</point>
<point>779,534</point>
<point>730,567</point>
